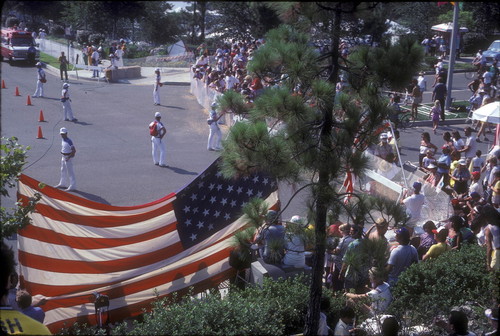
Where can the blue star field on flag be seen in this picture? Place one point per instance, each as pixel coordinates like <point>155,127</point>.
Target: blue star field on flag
<point>211,202</point>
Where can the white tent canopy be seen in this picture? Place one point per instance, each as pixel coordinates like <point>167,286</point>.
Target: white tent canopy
<point>488,113</point>
<point>447,28</point>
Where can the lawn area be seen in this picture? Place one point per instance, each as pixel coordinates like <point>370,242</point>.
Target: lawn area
<point>47,59</point>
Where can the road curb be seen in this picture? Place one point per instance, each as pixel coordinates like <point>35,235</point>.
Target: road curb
<point>446,122</point>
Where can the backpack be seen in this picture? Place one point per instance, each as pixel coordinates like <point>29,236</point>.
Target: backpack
<point>152,128</point>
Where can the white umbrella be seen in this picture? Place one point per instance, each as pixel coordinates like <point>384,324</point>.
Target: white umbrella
<point>488,113</point>
<point>447,28</point>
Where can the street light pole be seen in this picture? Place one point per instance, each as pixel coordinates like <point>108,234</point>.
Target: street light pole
<point>453,53</point>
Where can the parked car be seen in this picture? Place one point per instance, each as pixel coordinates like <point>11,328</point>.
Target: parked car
<point>493,52</point>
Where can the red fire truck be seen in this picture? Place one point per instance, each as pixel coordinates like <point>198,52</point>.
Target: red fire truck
<point>18,45</point>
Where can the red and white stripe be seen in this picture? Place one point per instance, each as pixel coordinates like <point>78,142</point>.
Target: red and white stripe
<point>75,247</point>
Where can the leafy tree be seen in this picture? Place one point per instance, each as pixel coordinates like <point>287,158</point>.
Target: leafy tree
<point>12,161</point>
<point>314,145</point>
<point>242,20</point>
<point>486,16</point>
<point>158,26</point>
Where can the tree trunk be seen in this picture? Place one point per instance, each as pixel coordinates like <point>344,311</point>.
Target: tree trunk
<point>203,12</point>
<point>193,30</point>
<point>316,289</point>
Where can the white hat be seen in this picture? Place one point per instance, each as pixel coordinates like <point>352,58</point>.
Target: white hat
<point>296,219</point>
<point>462,162</point>
<point>65,85</point>
<point>63,130</point>
<point>157,114</point>
<point>157,69</point>
<point>39,64</point>
<point>383,136</point>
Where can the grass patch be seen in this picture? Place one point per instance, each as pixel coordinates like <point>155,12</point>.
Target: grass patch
<point>50,60</point>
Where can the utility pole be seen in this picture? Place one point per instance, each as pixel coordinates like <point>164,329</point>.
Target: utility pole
<point>453,53</point>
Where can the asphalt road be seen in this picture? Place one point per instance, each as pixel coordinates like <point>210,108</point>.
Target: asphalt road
<point>113,164</point>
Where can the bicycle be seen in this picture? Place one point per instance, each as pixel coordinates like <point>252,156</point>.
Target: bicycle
<point>404,120</point>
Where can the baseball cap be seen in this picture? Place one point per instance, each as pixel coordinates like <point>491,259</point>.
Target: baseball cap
<point>63,130</point>
<point>65,85</point>
<point>475,195</point>
<point>381,222</point>
<point>417,185</point>
<point>403,232</point>
<point>492,314</point>
<point>157,69</point>
<point>476,174</point>
<point>383,136</point>
<point>462,162</point>
<point>157,114</point>
<point>271,216</point>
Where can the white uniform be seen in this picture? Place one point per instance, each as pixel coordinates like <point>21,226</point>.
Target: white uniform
<point>158,145</point>
<point>39,84</point>
<point>119,57</point>
<point>68,112</point>
<point>215,135</point>
<point>67,173</point>
<point>156,89</point>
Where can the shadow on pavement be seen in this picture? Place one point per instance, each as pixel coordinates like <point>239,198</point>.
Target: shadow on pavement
<point>181,171</point>
<point>175,107</point>
<point>92,197</point>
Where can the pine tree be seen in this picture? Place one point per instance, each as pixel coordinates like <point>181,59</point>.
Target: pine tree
<point>300,132</point>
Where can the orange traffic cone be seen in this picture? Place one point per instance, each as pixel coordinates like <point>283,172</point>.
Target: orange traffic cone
<point>40,118</point>
<point>17,91</point>
<point>28,101</point>
<point>3,84</point>
<point>40,135</point>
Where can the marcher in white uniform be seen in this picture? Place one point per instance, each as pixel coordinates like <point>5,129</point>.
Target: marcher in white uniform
<point>157,85</point>
<point>215,135</point>
<point>68,152</point>
<point>158,145</point>
<point>68,112</point>
<point>40,80</point>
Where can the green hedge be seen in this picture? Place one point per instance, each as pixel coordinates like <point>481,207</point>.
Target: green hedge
<point>432,288</point>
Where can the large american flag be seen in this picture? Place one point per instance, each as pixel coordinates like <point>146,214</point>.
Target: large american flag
<point>75,247</point>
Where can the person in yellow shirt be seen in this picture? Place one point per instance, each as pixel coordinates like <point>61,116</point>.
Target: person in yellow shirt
<point>13,322</point>
<point>437,249</point>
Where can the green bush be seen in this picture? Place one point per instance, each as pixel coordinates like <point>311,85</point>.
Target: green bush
<point>432,288</point>
<point>96,39</point>
<point>134,51</point>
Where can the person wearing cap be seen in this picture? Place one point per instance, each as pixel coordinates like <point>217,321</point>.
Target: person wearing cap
<point>433,177</point>
<point>215,134</point>
<point>157,143</point>
<point>68,152</point>
<point>383,148</point>
<point>461,176</point>
<point>66,102</point>
<point>156,86</point>
<point>401,257</point>
<point>41,78</point>
<point>476,184</point>
<point>294,244</point>
<point>414,204</point>
<point>422,82</point>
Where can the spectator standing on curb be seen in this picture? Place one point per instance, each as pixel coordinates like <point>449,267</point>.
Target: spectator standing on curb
<point>95,62</point>
<point>68,152</point>
<point>439,93</point>
<point>41,79</point>
<point>422,82</point>
<point>417,99</point>
<point>119,56</point>
<point>63,66</point>
<point>157,85</point>
<point>85,55</point>
<point>215,135</point>
<point>157,143</point>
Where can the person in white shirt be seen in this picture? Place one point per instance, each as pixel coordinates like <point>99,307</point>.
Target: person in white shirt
<point>414,204</point>
<point>41,78</point>
<point>215,134</point>
<point>68,152</point>
<point>231,81</point>
<point>470,146</point>
<point>380,295</point>
<point>422,82</point>
<point>157,143</point>
<point>156,87</point>
<point>345,324</point>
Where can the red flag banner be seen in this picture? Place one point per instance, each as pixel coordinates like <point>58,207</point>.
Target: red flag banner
<point>76,247</point>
